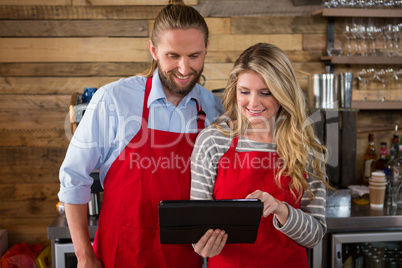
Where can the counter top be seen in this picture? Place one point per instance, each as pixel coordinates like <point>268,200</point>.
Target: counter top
<point>362,218</point>
<point>344,215</point>
<point>341,215</point>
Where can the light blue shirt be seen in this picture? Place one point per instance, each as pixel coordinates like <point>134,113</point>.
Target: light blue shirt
<point>113,118</point>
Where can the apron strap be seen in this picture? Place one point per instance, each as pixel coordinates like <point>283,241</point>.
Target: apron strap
<point>200,117</point>
<point>145,109</point>
<point>233,145</point>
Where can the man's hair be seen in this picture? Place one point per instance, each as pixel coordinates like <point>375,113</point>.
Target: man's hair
<point>176,16</point>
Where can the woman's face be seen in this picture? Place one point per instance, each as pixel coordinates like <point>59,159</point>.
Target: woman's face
<point>255,100</point>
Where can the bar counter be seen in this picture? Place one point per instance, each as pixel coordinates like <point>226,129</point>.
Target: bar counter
<point>363,218</point>
<point>343,215</point>
<point>339,219</point>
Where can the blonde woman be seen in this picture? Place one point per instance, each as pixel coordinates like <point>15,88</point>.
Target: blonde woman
<point>263,147</point>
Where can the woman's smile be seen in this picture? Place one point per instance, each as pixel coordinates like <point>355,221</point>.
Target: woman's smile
<point>255,100</point>
<point>255,112</point>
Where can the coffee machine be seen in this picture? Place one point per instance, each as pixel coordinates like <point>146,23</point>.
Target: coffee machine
<point>335,123</point>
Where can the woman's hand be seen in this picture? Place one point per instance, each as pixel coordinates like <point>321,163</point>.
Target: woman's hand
<point>211,243</point>
<point>271,205</point>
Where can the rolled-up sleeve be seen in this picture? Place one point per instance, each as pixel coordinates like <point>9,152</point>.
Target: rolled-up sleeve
<point>307,225</point>
<point>85,152</point>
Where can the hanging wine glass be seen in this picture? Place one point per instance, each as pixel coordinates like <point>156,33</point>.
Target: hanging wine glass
<point>357,33</point>
<point>389,45</point>
<point>325,4</point>
<point>335,48</point>
<point>396,32</point>
<point>362,37</point>
<point>389,3</point>
<point>398,78</point>
<point>371,37</point>
<point>360,3</point>
<point>330,3</point>
<point>352,3</point>
<point>381,39</point>
<point>379,3</point>
<point>348,33</point>
<point>365,75</point>
<point>370,3</point>
<point>384,74</point>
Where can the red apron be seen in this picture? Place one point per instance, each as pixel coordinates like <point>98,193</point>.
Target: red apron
<point>146,172</point>
<point>239,174</point>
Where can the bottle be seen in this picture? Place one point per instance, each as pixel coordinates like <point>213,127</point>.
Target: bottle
<point>400,150</point>
<point>389,174</point>
<point>382,161</point>
<point>400,156</point>
<point>358,257</point>
<point>393,178</point>
<point>399,166</point>
<point>395,142</point>
<point>347,257</point>
<point>370,158</point>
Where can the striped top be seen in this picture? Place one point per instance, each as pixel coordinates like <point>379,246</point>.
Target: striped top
<point>306,225</point>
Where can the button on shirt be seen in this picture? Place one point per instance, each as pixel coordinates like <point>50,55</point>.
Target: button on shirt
<point>114,117</point>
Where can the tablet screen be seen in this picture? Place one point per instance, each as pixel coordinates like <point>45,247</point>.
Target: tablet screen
<point>186,221</point>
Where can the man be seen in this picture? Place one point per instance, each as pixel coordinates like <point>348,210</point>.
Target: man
<point>139,132</point>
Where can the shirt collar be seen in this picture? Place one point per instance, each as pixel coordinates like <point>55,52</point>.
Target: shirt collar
<point>157,92</point>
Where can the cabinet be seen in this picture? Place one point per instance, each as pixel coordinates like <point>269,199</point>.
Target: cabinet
<point>352,224</point>
<point>331,14</point>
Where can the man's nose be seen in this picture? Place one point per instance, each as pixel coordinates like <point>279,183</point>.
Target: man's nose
<point>184,67</point>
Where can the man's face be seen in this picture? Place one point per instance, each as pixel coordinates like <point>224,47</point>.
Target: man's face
<point>180,56</point>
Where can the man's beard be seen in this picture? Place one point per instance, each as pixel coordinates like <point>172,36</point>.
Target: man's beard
<point>170,84</point>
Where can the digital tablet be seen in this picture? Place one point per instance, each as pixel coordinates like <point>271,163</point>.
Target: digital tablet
<point>186,221</point>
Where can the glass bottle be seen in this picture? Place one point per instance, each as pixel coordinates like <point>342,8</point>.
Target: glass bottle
<point>358,257</point>
<point>399,166</point>
<point>388,175</point>
<point>382,161</point>
<point>370,158</point>
<point>393,178</point>
<point>347,257</point>
<point>395,142</point>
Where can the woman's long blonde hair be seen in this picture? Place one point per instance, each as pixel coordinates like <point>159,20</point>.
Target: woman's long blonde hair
<point>297,146</point>
<point>176,15</point>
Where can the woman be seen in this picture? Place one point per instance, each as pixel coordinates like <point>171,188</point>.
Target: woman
<point>263,147</point>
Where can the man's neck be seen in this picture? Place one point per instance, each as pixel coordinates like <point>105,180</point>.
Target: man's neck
<point>173,97</point>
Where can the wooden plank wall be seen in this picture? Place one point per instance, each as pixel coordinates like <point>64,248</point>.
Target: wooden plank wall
<point>52,48</point>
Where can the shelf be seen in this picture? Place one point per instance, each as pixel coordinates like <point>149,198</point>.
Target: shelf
<point>364,100</point>
<point>377,105</point>
<point>362,60</point>
<point>359,12</point>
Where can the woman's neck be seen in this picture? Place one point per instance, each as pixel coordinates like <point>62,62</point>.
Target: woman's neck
<point>259,135</point>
